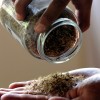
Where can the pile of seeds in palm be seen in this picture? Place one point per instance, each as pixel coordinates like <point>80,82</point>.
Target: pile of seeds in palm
<point>54,84</point>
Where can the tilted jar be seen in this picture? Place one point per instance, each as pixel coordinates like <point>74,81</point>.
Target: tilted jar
<point>35,43</point>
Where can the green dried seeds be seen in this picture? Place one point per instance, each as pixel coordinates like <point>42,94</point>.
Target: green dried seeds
<point>54,84</point>
<point>60,40</point>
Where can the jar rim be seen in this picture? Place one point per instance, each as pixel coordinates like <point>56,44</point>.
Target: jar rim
<point>68,54</point>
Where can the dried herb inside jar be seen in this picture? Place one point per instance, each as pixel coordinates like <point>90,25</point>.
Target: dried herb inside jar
<point>60,40</point>
<point>54,84</point>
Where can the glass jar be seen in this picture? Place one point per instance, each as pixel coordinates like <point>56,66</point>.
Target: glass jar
<point>61,40</point>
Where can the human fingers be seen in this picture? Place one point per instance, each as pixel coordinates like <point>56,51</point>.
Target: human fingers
<point>50,15</point>
<point>18,84</point>
<point>19,90</point>
<point>14,89</point>
<point>5,90</point>
<point>53,11</point>
<point>83,12</point>
<point>12,96</point>
<point>20,7</point>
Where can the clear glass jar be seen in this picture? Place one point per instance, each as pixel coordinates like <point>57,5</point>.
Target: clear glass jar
<point>60,42</point>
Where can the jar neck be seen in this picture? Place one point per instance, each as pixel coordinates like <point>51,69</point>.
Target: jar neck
<point>66,55</point>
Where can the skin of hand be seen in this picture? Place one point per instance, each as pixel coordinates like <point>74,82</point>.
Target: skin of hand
<point>83,12</point>
<point>88,89</point>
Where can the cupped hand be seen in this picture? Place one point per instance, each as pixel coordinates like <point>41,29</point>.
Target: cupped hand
<point>83,12</point>
<point>88,89</point>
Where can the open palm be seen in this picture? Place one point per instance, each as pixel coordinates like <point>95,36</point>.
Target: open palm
<point>88,89</point>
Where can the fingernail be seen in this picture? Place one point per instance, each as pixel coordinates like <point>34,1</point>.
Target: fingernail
<point>39,28</point>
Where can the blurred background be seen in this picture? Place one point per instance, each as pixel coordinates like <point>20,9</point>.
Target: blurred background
<point>16,64</point>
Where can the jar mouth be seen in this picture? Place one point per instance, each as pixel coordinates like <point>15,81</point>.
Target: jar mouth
<point>70,51</point>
